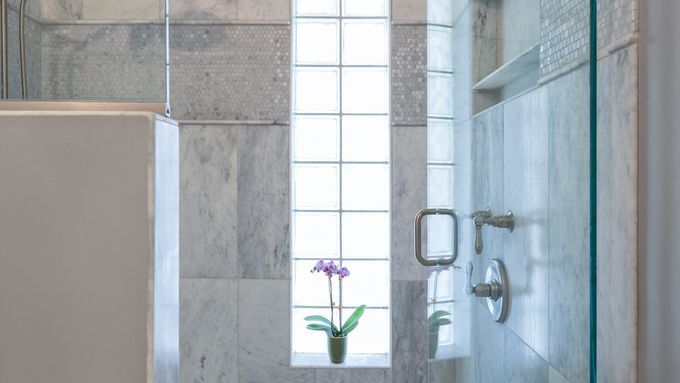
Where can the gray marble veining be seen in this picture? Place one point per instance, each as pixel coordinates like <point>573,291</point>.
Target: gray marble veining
<point>522,364</point>
<point>204,10</point>
<point>263,333</point>
<point>209,204</point>
<point>409,10</point>
<point>525,178</point>
<point>617,202</point>
<point>351,375</point>
<point>409,195</point>
<point>409,331</point>
<point>568,224</point>
<point>271,10</point>
<point>208,330</point>
<point>61,10</point>
<point>263,206</point>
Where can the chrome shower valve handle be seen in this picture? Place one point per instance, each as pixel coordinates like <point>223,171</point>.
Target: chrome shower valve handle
<point>494,289</point>
<point>484,217</point>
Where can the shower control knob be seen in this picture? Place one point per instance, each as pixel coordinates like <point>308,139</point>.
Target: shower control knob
<point>494,289</point>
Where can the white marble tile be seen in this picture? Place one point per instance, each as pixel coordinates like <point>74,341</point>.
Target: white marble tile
<point>569,217</point>
<point>488,347</point>
<point>263,206</point>
<point>208,330</point>
<point>270,10</point>
<point>555,377</point>
<point>409,331</point>
<point>121,10</point>
<point>409,10</point>
<point>617,175</point>
<point>203,10</point>
<point>409,195</point>
<point>264,333</point>
<point>208,185</point>
<point>525,186</point>
<point>521,363</point>
<point>61,10</point>
<point>351,375</point>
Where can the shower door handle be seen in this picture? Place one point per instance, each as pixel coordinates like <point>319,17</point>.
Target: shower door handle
<point>418,237</point>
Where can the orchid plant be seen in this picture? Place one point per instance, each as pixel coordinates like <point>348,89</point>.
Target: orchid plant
<point>330,269</point>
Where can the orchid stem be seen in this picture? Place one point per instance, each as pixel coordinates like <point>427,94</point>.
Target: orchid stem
<point>330,293</point>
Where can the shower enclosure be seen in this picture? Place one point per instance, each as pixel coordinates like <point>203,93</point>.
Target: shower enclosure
<point>509,132</point>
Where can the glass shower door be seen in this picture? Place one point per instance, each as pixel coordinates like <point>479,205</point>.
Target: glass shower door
<point>509,137</point>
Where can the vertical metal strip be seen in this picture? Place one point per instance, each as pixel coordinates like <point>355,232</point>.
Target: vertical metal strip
<point>4,49</point>
<point>167,58</point>
<point>593,191</point>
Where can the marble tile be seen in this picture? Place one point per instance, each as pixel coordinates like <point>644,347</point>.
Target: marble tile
<point>409,75</point>
<point>230,72</point>
<point>263,207</point>
<point>617,204</point>
<point>351,375</point>
<point>519,28</point>
<point>409,195</point>
<point>522,364</point>
<point>121,10</point>
<point>203,10</point>
<point>441,370</point>
<point>209,206</point>
<point>556,377</point>
<point>487,186</point>
<point>409,10</point>
<point>568,224</point>
<point>488,347</point>
<point>525,185</point>
<point>270,10</point>
<point>62,10</point>
<point>263,333</point>
<point>409,331</point>
<point>208,330</point>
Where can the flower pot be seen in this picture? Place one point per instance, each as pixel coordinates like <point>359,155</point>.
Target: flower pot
<point>337,349</point>
<point>433,343</point>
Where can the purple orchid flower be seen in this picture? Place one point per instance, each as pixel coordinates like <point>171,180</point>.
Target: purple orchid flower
<point>343,272</point>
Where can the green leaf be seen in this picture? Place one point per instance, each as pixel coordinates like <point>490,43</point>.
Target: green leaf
<point>347,329</point>
<point>321,319</point>
<point>353,319</point>
<point>443,321</point>
<point>320,327</point>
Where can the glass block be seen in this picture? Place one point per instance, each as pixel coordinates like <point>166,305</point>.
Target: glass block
<point>440,186</point>
<point>365,187</point>
<point>440,12</point>
<point>364,42</point>
<point>316,138</point>
<point>439,236</point>
<point>367,284</point>
<point>317,42</point>
<point>440,146</point>
<point>365,90</point>
<point>439,48</point>
<point>316,90</point>
<point>440,286</point>
<point>316,235</point>
<point>364,7</point>
<point>439,95</point>
<point>372,335</point>
<point>311,289</point>
<point>315,187</point>
<point>365,138</point>
<point>304,340</point>
<point>365,235</point>
<point>446,331</point>
<point>316,7</point>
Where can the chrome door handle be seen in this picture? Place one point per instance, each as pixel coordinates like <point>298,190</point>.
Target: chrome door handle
<point>418,236</point>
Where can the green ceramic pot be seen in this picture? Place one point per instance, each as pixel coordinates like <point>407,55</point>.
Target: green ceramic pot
<point>337,349</point>
<point>433,343</point>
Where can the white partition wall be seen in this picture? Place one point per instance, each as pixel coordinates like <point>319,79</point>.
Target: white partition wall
<point>88,247</point>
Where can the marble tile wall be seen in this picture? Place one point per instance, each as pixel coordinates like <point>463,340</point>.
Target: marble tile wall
<point>33,53</point>
<point>409,75</point>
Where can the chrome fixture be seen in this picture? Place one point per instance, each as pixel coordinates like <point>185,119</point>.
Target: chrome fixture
<point>418,237</point>
<point>484,217</point>
<point>4,60</point>
<point>494,289</point>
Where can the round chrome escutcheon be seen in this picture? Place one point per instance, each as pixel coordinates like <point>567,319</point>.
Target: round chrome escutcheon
<point>495,274</point>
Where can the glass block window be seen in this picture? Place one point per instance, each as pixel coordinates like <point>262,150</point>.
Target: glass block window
<point>341,168</point>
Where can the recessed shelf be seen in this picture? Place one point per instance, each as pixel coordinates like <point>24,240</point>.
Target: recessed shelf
<point>511,70</point>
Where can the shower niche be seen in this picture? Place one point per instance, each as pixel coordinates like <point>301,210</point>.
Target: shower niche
<point>505,51</point>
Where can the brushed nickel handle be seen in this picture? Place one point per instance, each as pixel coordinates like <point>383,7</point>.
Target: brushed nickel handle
<point>418,237</point>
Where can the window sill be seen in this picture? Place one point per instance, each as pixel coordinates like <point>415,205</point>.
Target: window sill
<point>351,361</point>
